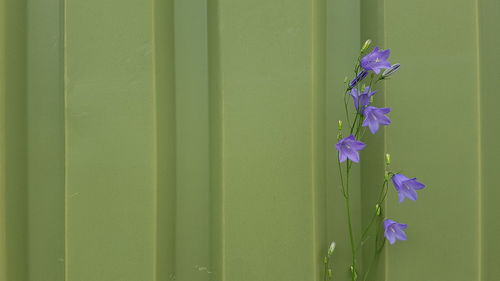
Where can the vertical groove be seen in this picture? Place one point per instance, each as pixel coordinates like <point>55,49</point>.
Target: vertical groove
<point>62,21</point>
<point>216,137</point>
<point>384,88</point>
<point>65,96</point>
<point>479,149</point>
<point>45,140</point>
<point>163,84</point>
<point>155,140</point>
<point>13,64</point>
<point>3,241</point>
<point>318,127</point>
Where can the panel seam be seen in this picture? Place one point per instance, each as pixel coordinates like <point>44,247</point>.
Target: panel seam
<point>479,148</point>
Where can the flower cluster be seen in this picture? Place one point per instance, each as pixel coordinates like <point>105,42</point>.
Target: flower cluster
<point>372,67</point>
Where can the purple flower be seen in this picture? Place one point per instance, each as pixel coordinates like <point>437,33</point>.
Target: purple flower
<point>376,60</point>
<point>348,148</point>
<point>394,231</point>
<point>374,117</point>
<point>358,78</point>
<point>361,99</point>
<point>406,187</point>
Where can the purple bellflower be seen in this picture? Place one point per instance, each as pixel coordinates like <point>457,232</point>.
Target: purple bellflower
<point>361,99</point>
<point>394,231</point>
<point>406,187</point>
<point>348,149</point>
<point>374,117</point>
<point>358,78</point>
<point>376,60</point>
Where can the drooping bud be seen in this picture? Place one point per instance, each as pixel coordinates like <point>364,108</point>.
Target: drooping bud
<point>331,248</point>
<point>340,125</point>
<point>387,159</point>
<point>378,210</point>
<point>391,70</point>
<point>366,45</point>
<point>358,78</point>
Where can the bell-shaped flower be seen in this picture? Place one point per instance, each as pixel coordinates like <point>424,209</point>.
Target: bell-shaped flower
<point>394,231</point>
<point>406,187</point>
<point>376,60</point>
<point>361,100</point>
<point>348,149</point>
<point>374,117</point>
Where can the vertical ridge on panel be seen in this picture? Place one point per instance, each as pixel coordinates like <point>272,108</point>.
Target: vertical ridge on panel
<point>193,211</point>
<point>434,137</point>
<point>111,140</point>
<point>13,181</point>
<point>164,75</point>
<point>3,141</point>
<point>343,43</point>
<point>372,165</point>
<point>45,101</point>
<point>318,135</point>
<point>217,243</point>
<point>266,84</point>
<point>489,58</point>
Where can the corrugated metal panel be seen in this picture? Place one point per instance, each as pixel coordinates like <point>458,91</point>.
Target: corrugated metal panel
<point>193,140</point>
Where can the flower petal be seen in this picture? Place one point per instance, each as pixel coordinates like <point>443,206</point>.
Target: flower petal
<point>409,192</point>
<point>342,157</point>
<point>413,183</point>
<point>390,236</point>
<point>388,222</point>
<point>400,235</point>
<point>353,155</point>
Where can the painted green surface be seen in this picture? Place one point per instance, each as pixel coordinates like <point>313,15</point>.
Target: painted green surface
<point>164,79</point>
<point>193,191</point>
<point>45,140</point>
<point>267,117</point>
<point>342,50</point>
<point>193,140</point>
<point>13,249</point>
<point>435,136</point>
<point>111,141</point>
<point>489,44</point>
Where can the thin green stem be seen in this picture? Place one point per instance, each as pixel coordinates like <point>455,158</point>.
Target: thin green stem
<point>349,221</point>
<point>326,268</point>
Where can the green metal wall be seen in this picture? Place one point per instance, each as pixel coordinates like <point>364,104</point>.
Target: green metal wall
<point>192,140</point>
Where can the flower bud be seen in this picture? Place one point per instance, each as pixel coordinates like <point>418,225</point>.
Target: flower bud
<point>331,248</point>
<point>340,125</point>
<point>354,273</point>
<point>358,78</point>
<point>387,159</point>
<point>330,273</point>
<point>346,79</point>
<point>391,70</point>
<point>366,45</point>
<point>378,210</point>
